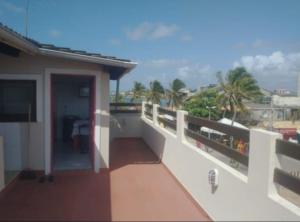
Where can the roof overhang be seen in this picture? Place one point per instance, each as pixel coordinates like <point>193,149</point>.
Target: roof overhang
<point>119,67</point>
<point>116,67</point>
<point>16,41</point>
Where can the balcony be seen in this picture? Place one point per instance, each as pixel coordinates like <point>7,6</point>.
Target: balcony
<point>259,182</point>
<point>160,161</point>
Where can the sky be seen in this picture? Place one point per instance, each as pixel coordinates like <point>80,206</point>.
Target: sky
<point>187,39</point>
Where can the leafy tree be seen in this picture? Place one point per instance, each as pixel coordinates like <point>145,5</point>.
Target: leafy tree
<point>238,86</point>
<point>138,91</point>
<point>174,94</point>
<point>199,105</point>
<point>121,98</point>
<point>156,92</point>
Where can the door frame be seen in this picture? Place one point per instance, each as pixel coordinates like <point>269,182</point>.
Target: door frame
<point>48,102</point>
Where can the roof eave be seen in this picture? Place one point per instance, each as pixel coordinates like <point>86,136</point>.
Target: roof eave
<point>17,42</point>
<point>92,59</point>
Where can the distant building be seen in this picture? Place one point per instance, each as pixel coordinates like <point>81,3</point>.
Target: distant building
<point>284,92</point>
<point>209,86</point>
<point>187,92</point>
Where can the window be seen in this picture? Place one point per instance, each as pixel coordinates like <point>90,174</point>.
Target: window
<point>17,100</point>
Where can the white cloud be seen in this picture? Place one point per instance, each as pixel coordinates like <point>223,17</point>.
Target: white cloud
<point>12,7</point>
<point>148,30</point>
<point>274,70</point>
<point>194,71</point>
<point>139,32</point>
<point>54,33</point>
<point>115,42</point>
<point>162,31</point>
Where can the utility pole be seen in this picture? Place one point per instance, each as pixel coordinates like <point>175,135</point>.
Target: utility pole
<point>117,91</point>
<point>26,18</point>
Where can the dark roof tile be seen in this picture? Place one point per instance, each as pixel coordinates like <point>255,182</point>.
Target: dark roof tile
<point>60,49</point>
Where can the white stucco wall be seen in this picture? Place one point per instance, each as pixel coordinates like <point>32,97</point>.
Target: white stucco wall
<point>288,101</point>
<point>238,197</point>
<point>35,67</point>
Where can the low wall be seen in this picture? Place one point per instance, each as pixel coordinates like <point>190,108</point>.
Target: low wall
<point>237,197</point>
<point>2,182</point>
<point>125,125</point>
<point>16,142</point>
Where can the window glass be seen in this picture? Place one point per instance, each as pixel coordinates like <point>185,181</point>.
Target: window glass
<point>17,100</point>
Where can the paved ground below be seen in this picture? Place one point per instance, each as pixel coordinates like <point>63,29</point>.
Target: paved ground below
<point>137,187</point>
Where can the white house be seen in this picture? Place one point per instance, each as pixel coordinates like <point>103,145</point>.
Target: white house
<point>53,102</point>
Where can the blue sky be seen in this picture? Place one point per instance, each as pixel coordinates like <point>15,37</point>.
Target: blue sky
<point>191,40</point>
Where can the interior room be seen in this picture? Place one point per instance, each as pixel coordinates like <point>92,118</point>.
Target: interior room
<point>71,116</point>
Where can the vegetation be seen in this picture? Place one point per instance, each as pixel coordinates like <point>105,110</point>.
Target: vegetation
<point>174,95</point>
<point>138,91</point>
<point>239,85</point>
<point>121,98</point>
<point>200,104</point>
<point>155,93</point>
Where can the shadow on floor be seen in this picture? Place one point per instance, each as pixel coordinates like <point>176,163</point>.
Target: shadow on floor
<point>128,151</point>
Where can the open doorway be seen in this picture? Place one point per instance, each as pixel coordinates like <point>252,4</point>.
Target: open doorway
<point>72,112</point>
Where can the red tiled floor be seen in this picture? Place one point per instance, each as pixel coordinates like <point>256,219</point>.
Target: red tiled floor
<point>137,187</point>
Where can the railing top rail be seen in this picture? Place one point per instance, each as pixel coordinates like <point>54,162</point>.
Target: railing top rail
<point>168,123</point>
<point>125,104</point>
<point>167,111</point>
<point>226,129</point>
<point>288,149</point>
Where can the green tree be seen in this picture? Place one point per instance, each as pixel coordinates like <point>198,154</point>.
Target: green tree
<point>199,105</point>
<point>156,92</point>
<point>174,95</point>
<point>238,86</point>
<point>138,91</point>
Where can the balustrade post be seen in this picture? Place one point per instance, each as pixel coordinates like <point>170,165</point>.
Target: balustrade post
<point>155,114</point>
<point>181,124</point>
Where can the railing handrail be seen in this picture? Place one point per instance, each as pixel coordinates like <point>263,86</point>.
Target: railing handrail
<point>125,108</point>
<point>169,123</point>
<point>149,106</point>
<point>287,148</point>
<point>225,150</point>
<point>167,111</point>
<point>226,129</point>
<point>287,180</point>
<point>125,104</point>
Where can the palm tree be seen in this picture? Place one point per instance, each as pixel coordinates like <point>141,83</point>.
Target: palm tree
<point>155,92</point>
<point>138,91</point>
<point>239,85</point>
<point>174,94</point>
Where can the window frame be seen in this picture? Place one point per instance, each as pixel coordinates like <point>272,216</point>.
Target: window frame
<point>38,78</point>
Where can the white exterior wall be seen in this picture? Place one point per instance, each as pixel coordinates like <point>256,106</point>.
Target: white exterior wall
<point>238,197</point>
<point>289,101</point>
<point>102,119</point>
<point>39,68</point>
